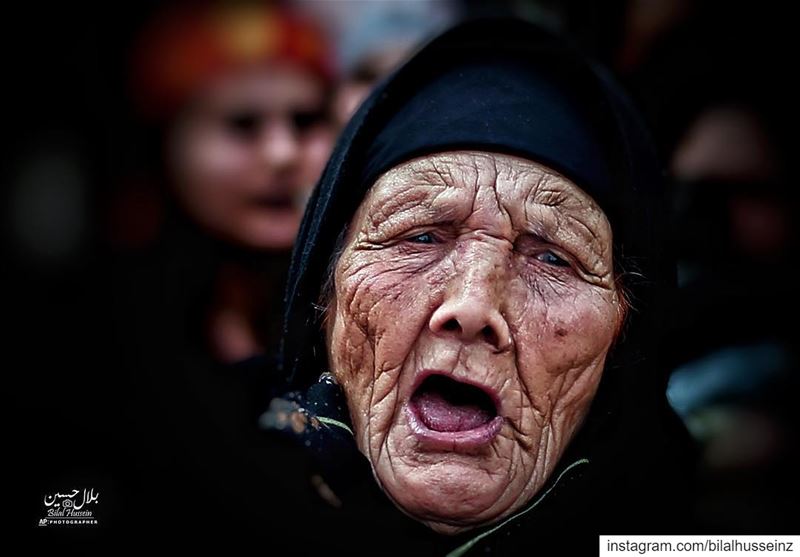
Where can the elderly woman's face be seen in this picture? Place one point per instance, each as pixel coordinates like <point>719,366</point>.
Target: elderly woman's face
<point>474,305</point>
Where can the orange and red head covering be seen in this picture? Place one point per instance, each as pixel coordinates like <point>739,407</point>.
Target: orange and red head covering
<point>188,45</point>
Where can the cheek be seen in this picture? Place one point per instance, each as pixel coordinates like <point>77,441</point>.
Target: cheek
<point>368,345</point>
<point>562,345</point>
<point>220,160</point>
<point>209,163</point>
<point>316,148</point>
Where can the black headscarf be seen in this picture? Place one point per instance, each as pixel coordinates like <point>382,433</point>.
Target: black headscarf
<point>507,86</point>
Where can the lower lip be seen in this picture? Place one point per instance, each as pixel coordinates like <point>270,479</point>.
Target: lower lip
<point>275,205</point>
<point>456,441</point>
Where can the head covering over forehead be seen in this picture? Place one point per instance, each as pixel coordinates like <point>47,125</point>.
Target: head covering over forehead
<point>188,45</point>
<point>507,86</point>
<point>505,105</point>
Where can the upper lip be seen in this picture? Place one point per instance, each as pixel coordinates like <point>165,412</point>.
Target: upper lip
<point>275,198</point>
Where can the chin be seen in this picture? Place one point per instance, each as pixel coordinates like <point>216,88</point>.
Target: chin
<point>448,491</point>
<point>270,237</point>
<point>451,497</point>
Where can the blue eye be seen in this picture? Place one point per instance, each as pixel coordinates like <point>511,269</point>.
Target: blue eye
<point>552,259</point>
<point>424,238</point>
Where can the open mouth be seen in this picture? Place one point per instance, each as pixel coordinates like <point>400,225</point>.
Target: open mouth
<point>447,405</point>
<point>443,409</point>
<point>277,201</point>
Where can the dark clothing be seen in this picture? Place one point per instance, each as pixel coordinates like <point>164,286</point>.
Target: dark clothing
<point>503,86</point>
<point>583,498</point>
<point>193,464</point>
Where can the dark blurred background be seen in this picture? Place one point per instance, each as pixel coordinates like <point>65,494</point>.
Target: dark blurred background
<point>136,331</point>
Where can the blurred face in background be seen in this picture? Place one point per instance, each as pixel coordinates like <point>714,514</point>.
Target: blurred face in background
<point>246,152</point>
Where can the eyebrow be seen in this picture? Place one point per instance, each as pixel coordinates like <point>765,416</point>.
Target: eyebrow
<point>425,185</point>
<point>560,217</point>
<point>390,206</point>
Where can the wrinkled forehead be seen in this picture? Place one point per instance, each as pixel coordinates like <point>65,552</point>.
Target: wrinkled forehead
<point>479,181</point>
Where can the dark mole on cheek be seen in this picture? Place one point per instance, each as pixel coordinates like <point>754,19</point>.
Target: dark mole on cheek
<point>561,332</point>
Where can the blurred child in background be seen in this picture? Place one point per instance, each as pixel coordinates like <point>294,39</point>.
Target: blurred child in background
<point>233,98</point>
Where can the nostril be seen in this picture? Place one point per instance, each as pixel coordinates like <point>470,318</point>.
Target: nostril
<point>490,335</point>
<point>451,325</point>
<point>471,325</point>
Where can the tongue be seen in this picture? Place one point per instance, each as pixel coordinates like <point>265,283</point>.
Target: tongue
<point>439,414</point>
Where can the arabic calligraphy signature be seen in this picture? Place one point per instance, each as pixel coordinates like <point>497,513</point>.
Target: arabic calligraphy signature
<point>66,500</point>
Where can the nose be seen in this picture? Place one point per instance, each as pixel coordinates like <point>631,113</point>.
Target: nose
<point>470,312</point>
<point>279,145</point>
